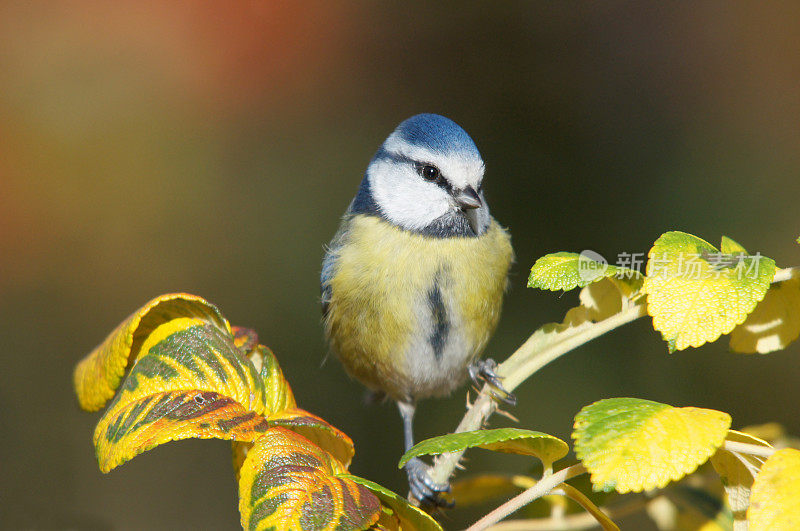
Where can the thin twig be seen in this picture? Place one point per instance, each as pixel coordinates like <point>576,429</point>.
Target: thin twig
<point>785,274</point>
<point>520,366</point>
<point>526,361</point>
<point>541,488</point>
<point>746,448</point>
<point>573,522</point>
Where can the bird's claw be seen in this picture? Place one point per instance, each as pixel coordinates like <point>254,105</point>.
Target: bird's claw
<point>422,487</point>
<point>484,369</point>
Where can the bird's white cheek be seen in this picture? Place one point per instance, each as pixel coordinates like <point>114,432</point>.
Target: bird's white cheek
<point>405,199</point>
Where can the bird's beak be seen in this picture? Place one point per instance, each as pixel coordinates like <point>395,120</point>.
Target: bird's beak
<point>469,200</point>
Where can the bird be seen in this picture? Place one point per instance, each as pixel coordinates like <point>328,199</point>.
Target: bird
<point>412,283</point>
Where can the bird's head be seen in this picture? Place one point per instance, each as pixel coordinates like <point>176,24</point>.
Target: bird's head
<point>427,178</point>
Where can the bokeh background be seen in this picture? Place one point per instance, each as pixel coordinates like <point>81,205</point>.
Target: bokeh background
<point>151,147</point>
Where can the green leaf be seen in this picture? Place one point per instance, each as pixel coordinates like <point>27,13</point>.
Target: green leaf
<point>509,440</point>
<point>696,293</point>
<point>565,271</point>
<point>729,246</point>
<point>631,445</point>
<point>773,324</point>
<point>287,482</point>
<point>773,501</point>
<point>410,517</point>
<point>737,471</point>
<point>98,375</point>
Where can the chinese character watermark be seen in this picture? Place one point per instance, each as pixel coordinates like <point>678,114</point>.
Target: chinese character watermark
<point>686,266</point>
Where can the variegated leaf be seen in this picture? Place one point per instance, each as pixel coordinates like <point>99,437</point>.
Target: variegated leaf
<point>407,516</point>
<point>312,427</point>
<point>279,396</point>
<point>162,417</point>
<point>287,482</point>
<point>182,357</point>
<point>98,375</point>
<point>318,431</point>
<point>631,445</point>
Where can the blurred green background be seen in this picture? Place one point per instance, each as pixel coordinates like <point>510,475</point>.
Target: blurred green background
<point>154,147</point>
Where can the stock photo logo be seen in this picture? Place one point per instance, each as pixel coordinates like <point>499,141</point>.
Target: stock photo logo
<point>591,266</point>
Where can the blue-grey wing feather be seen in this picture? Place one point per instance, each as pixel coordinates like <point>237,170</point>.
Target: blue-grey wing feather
<point>329,262</point>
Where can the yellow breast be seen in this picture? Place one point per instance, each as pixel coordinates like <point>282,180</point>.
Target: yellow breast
<point>407,312</point>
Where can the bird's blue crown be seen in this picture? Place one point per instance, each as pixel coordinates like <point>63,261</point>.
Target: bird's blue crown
<point>437,133</point>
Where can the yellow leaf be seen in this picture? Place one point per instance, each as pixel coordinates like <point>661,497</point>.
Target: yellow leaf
<point>774,504</point>
<point>287,482</point>
<point>98,375</point>
<point>631,445</point>
<point>737,471</point>
<point>238,454</point>
<point>773,324</point>
<point>696,293</point>
<point>608,297</point>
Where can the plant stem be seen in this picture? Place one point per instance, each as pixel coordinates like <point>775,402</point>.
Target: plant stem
<point>574,522</point>
<point>785,274</point>
<point>520,366</point>
<point>541,488</point>
<point>537,352</point>
<point>752,449</point>
<point>515,372</point>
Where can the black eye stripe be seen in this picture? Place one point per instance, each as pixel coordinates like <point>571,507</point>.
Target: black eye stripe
<point>440,180</point>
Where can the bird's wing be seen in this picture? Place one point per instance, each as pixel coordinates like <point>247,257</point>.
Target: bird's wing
<point>329,262</point>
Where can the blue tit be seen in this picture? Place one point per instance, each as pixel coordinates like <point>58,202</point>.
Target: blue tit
<point>413,281</point>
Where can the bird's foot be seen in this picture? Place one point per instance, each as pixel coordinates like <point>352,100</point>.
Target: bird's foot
<point>484,369</point>
<point>422,487</point>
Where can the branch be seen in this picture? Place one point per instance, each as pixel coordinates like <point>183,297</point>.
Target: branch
<point>785,274</point>
<point>545,485</point>
<point>529,358</point>
<point>752,449</point>
<point>532,356</point>
<point>573,522</point>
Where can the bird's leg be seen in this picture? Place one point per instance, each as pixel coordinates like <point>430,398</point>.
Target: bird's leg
<point>420,484</point>
<point>484,369</point>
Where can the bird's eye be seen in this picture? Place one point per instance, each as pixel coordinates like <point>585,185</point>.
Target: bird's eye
<point>429,172</point>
